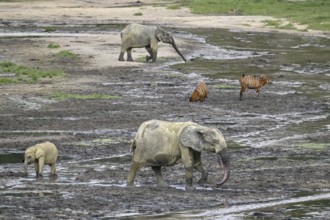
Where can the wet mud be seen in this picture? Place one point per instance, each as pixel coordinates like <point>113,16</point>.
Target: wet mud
<point>278,142</point>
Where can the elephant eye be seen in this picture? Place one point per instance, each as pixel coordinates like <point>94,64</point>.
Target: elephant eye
<point>215,141</point>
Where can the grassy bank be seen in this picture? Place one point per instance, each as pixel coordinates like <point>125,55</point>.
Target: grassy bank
<point>314,13</point>
<point>12,73</point>
<point>66,96</point>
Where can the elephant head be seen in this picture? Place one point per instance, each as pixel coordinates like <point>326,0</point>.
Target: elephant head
<point>166,37</point>
<point>203,138</point>
<point>29,157</point>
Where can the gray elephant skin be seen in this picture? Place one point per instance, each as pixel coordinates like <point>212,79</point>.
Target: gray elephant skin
<point>138,36</point>
<point>161,143</point>
<point>41,154</point>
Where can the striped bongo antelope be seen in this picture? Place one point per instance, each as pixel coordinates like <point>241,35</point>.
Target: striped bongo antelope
<point>252,82</point>
<point>200,93</point>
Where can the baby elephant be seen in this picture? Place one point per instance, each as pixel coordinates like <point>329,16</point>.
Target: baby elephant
<point>40,154</point>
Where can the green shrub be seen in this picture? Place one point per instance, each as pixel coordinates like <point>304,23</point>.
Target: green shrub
<point>66,53</point>
<point>53,46</point>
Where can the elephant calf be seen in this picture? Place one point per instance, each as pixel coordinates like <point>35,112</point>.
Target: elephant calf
<point>40,154</point>
<point>160,143</point>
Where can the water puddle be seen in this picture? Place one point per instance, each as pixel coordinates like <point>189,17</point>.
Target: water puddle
<point>238,211</point>
<point>11,158</point>
<point>207,51</point>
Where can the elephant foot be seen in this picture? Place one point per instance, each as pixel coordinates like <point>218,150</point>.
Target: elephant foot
<point>148,58</point>
<point>202,182</point>
<point>53,176</point>
<point>130,60</point>
<point>129,184</point>
<point>190,188</point>
<point>121,57</point>
<point>163,185</point>
<point>39,176</point>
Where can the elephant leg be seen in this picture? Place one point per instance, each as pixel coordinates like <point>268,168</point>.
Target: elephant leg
<point>189,177</point>
<point>53,169</point>
<point>154,55</point>
<point>199,167</point>
<point>36,167</point>
<point>121,56</point>
<point>135,167</point>
<point>188,161</point>
<point>129,54</point>
<point>148,48</point>
<point>159,176</point>
<point>41,162</point>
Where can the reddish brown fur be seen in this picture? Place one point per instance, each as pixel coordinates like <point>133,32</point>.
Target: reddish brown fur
<point>200,93</point>
<point>252,82</point>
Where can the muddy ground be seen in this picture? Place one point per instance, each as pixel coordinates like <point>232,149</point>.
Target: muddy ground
<point>278,142</point>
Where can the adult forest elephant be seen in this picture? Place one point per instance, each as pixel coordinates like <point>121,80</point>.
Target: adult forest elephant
<point>137,36</point>
<point>160,143</point>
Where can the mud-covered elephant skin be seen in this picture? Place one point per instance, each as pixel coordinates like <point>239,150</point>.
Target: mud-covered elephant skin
<point>41,154</point>
<point>160,143</point>
<point>138,36</point>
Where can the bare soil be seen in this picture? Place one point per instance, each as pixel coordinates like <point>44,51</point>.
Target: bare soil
<point>94,135</point>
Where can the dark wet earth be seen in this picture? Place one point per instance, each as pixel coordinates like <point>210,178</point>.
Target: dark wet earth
<point>278,142</point>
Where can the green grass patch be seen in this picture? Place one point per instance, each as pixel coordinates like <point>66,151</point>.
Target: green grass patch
<point>273,23</point>
<point>138,14</point>
<point>314,146</point>
<point>50,29</point>
<point>278,25</point>
<point>266,158</point>
<point>314,13</point>
<point>235,146</point>
<point>53,46</point>
<point>174,7</point>
<point>24,74</point>
<point>66,53</point>
<point>67,96</point>
<point>302,158</point>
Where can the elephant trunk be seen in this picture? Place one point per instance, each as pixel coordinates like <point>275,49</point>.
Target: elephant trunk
<point>177,50</point>
<point>223,158</point>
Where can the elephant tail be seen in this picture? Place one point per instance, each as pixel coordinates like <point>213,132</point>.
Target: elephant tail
<point>133,146</point>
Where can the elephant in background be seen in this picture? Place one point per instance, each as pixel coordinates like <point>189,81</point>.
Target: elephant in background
<point>161,143</point>
<point>41,154</point>
<point>138,36</point>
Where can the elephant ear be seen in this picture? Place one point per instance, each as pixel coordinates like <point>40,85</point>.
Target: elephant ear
<point>39,153</point>
<point>159,34</point>
<point>191,136</point>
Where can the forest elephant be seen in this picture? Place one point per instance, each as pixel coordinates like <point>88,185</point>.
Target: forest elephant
<point>161,143</point>
<point>41,154</point>
<point>138,36</point>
